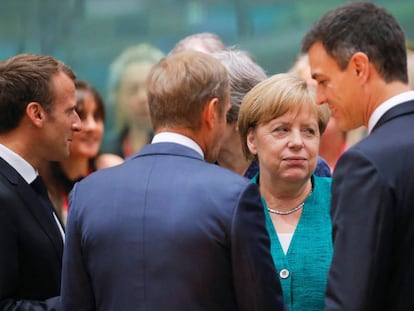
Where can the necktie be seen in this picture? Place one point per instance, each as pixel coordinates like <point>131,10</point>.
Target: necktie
<point>39,186</point>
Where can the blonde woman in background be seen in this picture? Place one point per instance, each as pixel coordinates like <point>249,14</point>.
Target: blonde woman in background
<point>132,127</point>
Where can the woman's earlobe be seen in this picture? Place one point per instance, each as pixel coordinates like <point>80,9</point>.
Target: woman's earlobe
<point>251,143</point>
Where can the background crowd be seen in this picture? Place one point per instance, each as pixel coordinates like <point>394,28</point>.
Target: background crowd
<point>203,178</point>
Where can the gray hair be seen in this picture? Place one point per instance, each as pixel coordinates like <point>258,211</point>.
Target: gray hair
<point>244,73</point>
<point>206,41</point>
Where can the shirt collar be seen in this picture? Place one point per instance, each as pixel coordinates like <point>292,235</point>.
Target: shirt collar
<point>170,137</point>
<point>18,163</point>
<point>387,105</point>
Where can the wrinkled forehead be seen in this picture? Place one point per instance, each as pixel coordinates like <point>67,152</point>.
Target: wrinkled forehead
<point>306,111</point>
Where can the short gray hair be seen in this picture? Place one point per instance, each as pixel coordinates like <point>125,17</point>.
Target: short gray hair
<point>244,73</point>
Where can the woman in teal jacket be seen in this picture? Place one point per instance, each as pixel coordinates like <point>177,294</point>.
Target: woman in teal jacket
<point>281,126</point>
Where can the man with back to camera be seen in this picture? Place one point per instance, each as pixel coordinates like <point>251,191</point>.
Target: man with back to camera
<point>358,58</point>
<point>37,121</point>
<point>166,230</point>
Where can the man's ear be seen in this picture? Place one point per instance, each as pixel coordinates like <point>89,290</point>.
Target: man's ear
<point>360,65</point>
<point>36,113</point>
<point>210,112</point>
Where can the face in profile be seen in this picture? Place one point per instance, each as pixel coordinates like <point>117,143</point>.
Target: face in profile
<point>87,141</point>
<point>288,145</point>
<point>218,132</point>
<point>339,88</point>
<point>132,97</point>
<point>227,139</point>
<point>62,122</point>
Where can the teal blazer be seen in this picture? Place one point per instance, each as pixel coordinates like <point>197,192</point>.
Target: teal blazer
<point>303,271</point>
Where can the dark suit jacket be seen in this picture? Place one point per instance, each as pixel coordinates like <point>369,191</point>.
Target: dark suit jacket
<point>30,247</point>
<point>373,219</point>
<point>167,231</point>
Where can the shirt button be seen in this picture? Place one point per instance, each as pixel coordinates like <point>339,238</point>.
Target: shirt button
<point>284,273</point>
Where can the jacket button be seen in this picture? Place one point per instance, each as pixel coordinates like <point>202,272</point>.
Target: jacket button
<point>284,273</point>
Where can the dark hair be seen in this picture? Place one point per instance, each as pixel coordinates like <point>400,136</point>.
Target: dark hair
<point>83,88</point>
<point>27,78</point>
<point>362,27</point>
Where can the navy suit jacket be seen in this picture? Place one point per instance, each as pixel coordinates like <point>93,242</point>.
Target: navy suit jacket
<point>31,247</point>
<point>167,231</point>
<point>373,219</point>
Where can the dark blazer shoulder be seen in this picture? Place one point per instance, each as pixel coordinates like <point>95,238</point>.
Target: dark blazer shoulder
<point>397,111</point>
<point>9,173</point>
<point>31,245</point>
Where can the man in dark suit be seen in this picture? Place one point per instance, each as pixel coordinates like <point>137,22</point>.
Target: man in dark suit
<point>37,120</point>
<point>357,55</point>
<point>166,230</point>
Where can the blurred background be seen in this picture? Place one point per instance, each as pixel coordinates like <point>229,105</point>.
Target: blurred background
<point>89,34</point>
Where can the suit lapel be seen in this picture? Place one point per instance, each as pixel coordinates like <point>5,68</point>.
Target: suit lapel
<point>399,110</point>
<point>34,205</point>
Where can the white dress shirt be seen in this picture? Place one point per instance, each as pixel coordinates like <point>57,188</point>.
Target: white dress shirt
<point>27,171</point>
<point>169,137</point>
<point>387,105</point>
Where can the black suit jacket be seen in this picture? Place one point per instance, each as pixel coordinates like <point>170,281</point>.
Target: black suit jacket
<point>31,247</point>
<point>373,219</point>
